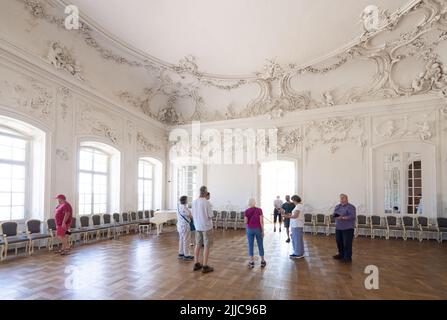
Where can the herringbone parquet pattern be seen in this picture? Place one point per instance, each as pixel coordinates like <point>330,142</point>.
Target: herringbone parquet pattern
<point>133,268</point>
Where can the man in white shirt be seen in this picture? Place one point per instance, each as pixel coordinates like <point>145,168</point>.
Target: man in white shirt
<point>297,226</point>
<point>202,215</point>
<point>277,205</point>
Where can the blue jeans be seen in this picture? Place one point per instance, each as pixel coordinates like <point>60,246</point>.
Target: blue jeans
<point>298,241</point>
<point>251,235</point>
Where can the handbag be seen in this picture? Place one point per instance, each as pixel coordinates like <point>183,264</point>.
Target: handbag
<point>192,227</point>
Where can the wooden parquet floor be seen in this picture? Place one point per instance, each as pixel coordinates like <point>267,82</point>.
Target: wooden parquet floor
<point>134,268</point>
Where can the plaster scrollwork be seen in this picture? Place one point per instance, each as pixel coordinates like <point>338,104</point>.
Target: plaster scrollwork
<point>61,58</point>
<point>419,127</point>
<point>288,140</point>
<point>62,154</point>
<point>98,123</point>
<point>28,95</point>
<point>64,96</point>
<point>333,132</point>
<point>277,96</point>
<point>144,143</point>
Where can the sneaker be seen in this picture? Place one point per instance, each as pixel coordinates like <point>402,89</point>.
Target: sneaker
<point>181,256</point>
<point>274,229</point>
<point>188,258</point>
<point>251,264</point>
<point>293,256</point>
<point>279,229</point>
<point>197,266</point>
<point>288,240</point>
<point>263,263</point>
<point>299,257</point>
<point>337,257</point>
<point>207,269</point>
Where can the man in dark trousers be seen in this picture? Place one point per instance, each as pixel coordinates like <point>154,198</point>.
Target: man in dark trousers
<point>287,208</point>
<point>344,214</point>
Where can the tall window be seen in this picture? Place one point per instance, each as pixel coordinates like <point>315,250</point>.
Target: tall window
<point>145,185</point>
<point>187,182</point>
<point>414,187</point>
<point>93,181</point>
<point>13,175</point>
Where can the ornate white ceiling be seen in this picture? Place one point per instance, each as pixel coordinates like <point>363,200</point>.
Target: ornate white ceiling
<point>232,37</point>
<point>178,62</point>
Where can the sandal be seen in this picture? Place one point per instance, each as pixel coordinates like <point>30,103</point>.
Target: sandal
<point>263,263</point>
<point>251,264</point>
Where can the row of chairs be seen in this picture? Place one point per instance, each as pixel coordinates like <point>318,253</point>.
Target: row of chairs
<point>228,219</point>
<point>418,227</point>
<point>90,227</point>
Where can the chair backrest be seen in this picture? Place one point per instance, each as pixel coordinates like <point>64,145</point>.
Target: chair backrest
<point>96,219</point>
<point>423,221</point>
<point>241,215</point>
<point>73,223</point>
<point>391,220</point>
<point>33,226</point>
<point>408,221</point>
<point>125,216</point>
<point>133,216</point>
<point>9,228</point>
<point>362,219</point>
<point>332,218</point>
<point>376,220</point>
<point>106,218</point>
<point>116,217</point>
<point>140,215</point>
<point>442,222</point>
<point>308,217</point>
<point>215,213</point>
<point>233,214</point>
<point>147,214</point>
<point>51,224</point>
<point>152,213</point>
<point>321,218</point>
<point>223,214</point>
<point>85,221</point>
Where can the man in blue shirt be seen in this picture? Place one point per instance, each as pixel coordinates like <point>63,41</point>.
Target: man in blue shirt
<point>287,208</point>
<point>344,214</point>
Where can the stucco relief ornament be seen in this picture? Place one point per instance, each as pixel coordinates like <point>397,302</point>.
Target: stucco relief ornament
<point>328,99</point>
<point>62,154</point>
<point>288,141</point>
<point>61,58</point>
<point>168,115</point>
<point>433,78</point>
<point>145,144</point>
<point>423,130</point>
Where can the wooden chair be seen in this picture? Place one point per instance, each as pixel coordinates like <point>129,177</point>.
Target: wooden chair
<point>320,223</point>
<point>35,234</point>
<point>393,224</point>
<point>309,222</point>
<point>409,226</point>
<point>426,228</point>
<point>442,228</point>
<point>362,222</point>
<point>11,236</point>
<point>377,225</point>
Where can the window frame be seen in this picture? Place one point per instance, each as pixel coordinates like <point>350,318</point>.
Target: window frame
<point>92,173</point>
<point>27,164</point>
<point>143,179</point>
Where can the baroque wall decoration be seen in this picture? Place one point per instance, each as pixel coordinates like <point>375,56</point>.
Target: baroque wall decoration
<point>60,57</point>
<point>276,95</point>
<point>62,154</point>
<point>289,140</point>
<point>28,95</point>
<point>333,132</point>
<point>144,144</point>
<point>94,121</point>
<point>64,101</point>
<point>420,127</point>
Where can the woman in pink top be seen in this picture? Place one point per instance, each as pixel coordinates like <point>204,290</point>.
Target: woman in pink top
<point>254,221</point>
<point>63,217</point>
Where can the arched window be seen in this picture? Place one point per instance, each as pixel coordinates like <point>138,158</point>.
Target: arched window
<point>14,168</point>
<point>150,184</point>
<point>22,170</point>
<point>145,185</point>
<point>98,179</point>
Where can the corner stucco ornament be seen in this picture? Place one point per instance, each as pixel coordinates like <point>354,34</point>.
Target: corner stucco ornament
<point>61,59</point>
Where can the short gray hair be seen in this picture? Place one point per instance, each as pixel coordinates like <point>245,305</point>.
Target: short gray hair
<point>251,202</point>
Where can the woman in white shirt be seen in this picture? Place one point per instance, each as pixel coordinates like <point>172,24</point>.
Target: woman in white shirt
<point>184,218</point>
<point>297,227</point>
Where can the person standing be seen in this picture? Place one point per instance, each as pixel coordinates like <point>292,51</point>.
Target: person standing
<point>277,203</point>
<point>254,221</point>
<point>184,218</point>
<point>297,228</point>
<point>344,215</point>
<point>287,209</point>
<point>202,215</point>
<point>63,216</point>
